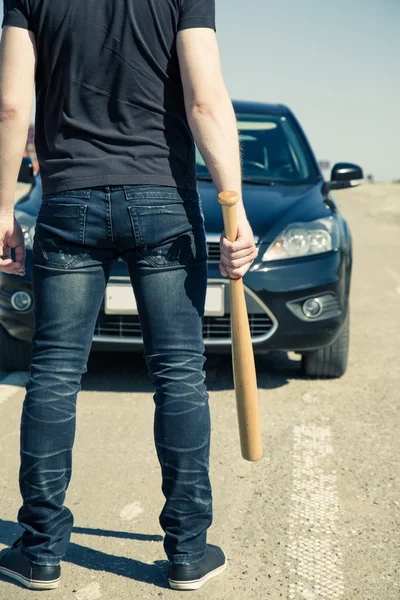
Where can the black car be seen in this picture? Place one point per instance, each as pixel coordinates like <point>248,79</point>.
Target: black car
<point>298,288</point>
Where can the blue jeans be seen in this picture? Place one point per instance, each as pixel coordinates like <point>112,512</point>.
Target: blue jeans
<point>159,233</point>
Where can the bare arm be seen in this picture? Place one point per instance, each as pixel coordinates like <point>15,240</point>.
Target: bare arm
<point>209,108</point>
<point>213,123</point>
<point>17,77</point>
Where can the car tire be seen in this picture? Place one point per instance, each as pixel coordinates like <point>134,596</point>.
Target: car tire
<point>15,355</point>
<point>329,362</point>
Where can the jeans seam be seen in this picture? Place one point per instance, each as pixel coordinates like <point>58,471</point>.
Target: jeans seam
<point>53,562</point>
<point>109,224</point>
<point>83,224</point>
<point>67,194</point>
<point>179,559</point>
<point>135,225</point>
<point>180,195</point>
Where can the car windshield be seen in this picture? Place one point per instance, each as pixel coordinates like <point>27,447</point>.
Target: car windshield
<point>272,152</point>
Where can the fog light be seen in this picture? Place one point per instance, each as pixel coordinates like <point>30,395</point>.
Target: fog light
<point>312,308</point>
<point>21,301</point>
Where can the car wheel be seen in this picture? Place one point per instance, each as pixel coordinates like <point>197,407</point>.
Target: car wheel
<point>329,362</point>
<point>15,355</point>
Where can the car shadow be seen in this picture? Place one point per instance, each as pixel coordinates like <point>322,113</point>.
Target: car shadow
<point>82,556</point>
<point>127,372</point>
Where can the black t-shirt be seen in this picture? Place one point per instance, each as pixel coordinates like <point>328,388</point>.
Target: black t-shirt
<point>109,97</point>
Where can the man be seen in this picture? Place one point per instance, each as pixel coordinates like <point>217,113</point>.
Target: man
<point>122,89</point>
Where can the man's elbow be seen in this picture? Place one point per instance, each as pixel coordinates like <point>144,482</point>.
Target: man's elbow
<point>201,108</point>
<point>207,106</point>
<point>11,109</point>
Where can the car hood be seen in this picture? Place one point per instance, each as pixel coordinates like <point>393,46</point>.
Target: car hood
<point>269,208</point>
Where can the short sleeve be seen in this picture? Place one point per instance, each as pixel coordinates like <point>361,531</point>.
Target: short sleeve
<point>197,13</point>
<point>16,13</point>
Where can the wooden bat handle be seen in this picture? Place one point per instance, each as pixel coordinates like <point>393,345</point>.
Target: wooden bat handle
<point>244,371</point>
<point>228,201</point>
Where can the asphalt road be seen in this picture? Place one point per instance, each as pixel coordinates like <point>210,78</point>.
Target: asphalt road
<point>316,519</point>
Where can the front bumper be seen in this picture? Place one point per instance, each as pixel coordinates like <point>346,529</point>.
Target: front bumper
<point>18,324</point>
<point>271,290</point>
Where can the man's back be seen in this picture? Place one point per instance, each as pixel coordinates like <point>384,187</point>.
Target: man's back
<point>110,105</point>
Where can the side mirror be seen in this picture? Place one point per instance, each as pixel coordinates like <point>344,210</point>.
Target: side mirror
<point>345,175</point>
<point>26,171</point>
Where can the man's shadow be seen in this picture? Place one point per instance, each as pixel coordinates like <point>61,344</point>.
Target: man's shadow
<point>127,372</point>
<point>96,560</point>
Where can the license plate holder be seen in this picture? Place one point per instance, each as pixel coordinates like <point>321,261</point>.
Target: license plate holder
<point>120,300</point>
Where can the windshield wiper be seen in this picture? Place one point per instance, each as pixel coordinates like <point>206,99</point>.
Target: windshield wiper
<point>245,180</point>
<point>258,181</point>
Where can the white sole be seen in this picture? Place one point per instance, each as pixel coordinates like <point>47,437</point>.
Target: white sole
<point>32,585</point>
<point>196,583</point>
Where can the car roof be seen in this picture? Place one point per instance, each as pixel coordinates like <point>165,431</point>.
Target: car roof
<point>242,106</point>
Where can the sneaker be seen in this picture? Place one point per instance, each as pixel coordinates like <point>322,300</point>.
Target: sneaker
<point>191,576</point>
<point>15,565</point>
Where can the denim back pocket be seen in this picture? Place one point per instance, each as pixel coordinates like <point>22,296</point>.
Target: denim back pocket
<point>168,234</point>
<point>60,235</point>
<point>163,233</point>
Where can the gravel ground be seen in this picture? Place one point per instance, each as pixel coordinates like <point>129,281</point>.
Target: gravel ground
<point>317,518</point>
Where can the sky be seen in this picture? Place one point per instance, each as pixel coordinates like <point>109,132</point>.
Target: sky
<point>335,64</point>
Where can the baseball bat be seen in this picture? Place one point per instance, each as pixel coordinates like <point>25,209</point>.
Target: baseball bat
<point>244,371</point>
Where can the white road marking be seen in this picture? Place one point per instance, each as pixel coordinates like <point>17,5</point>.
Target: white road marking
<point>89,592</point>
<point>310,398</point>
<point>12,384</point>
<point>314,555</point>
<point>131,511</point>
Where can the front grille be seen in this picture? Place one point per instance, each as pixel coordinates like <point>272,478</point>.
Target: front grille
<point>128,326</point>
<point>213,251</point>
<point>220,327</point>
<point>5,297</point>
<point>119,326</point>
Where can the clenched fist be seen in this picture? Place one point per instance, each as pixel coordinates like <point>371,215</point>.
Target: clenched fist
<point>11,236</point>
<point>238,256</point>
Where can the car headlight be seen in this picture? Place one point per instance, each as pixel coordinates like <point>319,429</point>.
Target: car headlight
<point>305,239</point>
<point>29,233</point>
